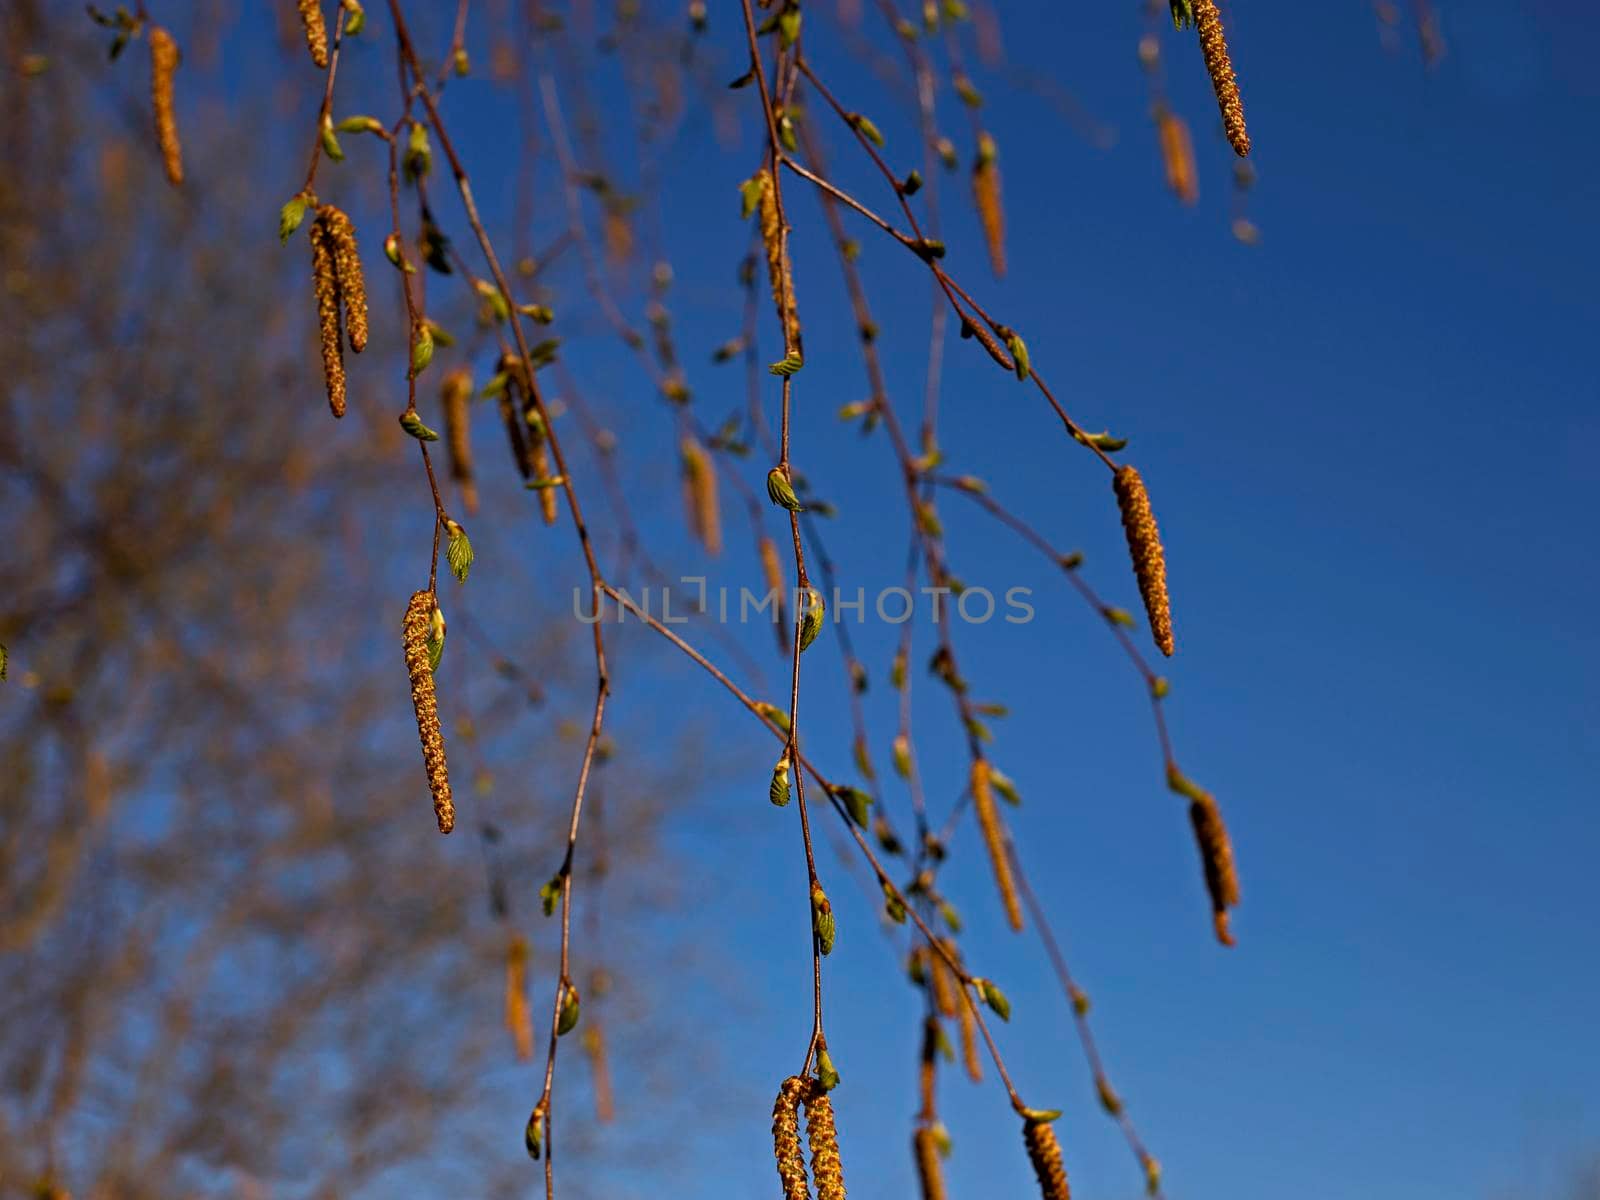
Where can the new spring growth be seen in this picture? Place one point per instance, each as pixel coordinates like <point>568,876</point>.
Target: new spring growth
<point>412,424</point>
<point>330,140</point>
<point>774,714</point>
<point>778,789</point>
<point>1216,849</point>
<point>356,17</point>
<point>902,756</point>
<point>855,801</point>
<point>1214,49</point>
<point>550,895</point>
<point>533,1134</point>
<point>786,1138</point>
<point>414,639</point>
<point>867,129</point>
<point>1019,352</point>
<point>291,215</point>
<point>458,550</point>
<point>436,632</point>
<point>827,1073</point>
<point>811,617</point>
<point>1044,1152</point>
<point>994,998</point>
<point>1144,547</point>
<point>163,64</point>
<point>986,196</point>
<point>982,785</point>
<point>418,159</point>
<point>567,1021</point>
<point>316,31</point>
<point>421,348</point>
<point>894,907</point>
<point>822,922</point>
<point>781,492</point>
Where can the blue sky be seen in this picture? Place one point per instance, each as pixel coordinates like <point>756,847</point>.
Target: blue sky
<point>1368,442</point>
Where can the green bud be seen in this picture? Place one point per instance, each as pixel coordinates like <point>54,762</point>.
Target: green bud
<point>749,196</point>
<point>822,919</point>
<point>995,999</point>
<point>458,553</point>
<point>827,1075</point>
<point>532,1136</point>
<point>1159,687</point>
<point>902,756</point>
<point>1019,353</point>
<point>811,619</point>
<point>567,1021</point>
<point>952,918</point>
<point>778,789</point>
<point>550,895</point>
<point>460,63</point>
<point>970,95</point>
<point>912,183</point>
<point>1119,616</point>
<point>894,907</point>
<point>355,21</point>
<point>1041,1116</point>
<point>422,351</point>
<point>781,492</point>
<point>412,424</point>
<point>855,801</point>
<point>419,153</point>
<point>291,215</point>
<point>330,144</point>
<point>787,365</point>
<point>774,714</point>
<point>539,314</point>
<point>362,124</point>
<point>1004,785</point>
<point>435,642</point>
<point>867,129</point>
<point>947,153</point>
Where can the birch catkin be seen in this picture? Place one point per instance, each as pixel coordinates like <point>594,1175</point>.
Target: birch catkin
<point>163,63</point>
<point>786,1138</point>
<point>455,396</point>
<point>827,1172</point>
<point>419,613</point>
<point>325,283</point>
<point>1144,546</point>
<point>986,196</point>
<point>930,1169</point>
<point>1177,156</point>
<point>772,578</point>
<point>1216,857</point>
<point>779,271</point>
<point>1214,48</point>
<point>700,496</point>
<point>316,31</point>
<point>352,285</point>
<point>519,1017</point>
<point>994,840</point>
<point>1045,1154</point>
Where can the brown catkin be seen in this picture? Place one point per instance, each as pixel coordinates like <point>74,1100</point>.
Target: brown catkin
<point>772,579</point>
<point>519,1016</point>
<point>455,396</point>
<point>1177,155</point>
<point>163,63</point>
<point>779,271</point>
<point>347,272</point>
<point>316,31</point>
<point>325,283</point>
<point>1144,546</point>
<point>414,631</point>
<point>930,1168</point>
<point>1045,1154</point>
<point>946,987</point>
<point>994,839</point>
<point>594,1046</point>
<point>827,1172</point>
<point>970,1058</point>
<point>1216,857</point>
<point>1214,47</point>
<point>700,496</point>
<point>786,1138</point>
<point>986,196</point>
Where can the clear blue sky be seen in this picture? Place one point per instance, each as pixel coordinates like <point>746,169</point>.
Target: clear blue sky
<point>1370,444</point>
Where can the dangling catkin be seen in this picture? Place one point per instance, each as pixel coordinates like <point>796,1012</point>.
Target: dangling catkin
<point>986,195</point>
<point>930,1168</point>
<point>316,31</point>
<point>970,1058</point>
<point>779,272</point>
<point>1216,857</point>
<point>519,1017</point>
<point>1144,546</point>
<point>325,283</point>
<point>352,285</point>
<point>594,1046</point>
<point>163,63</point>
<point>772,578</point>
<point>1045,1154</point>
<point>786,1138</point>
<point>419,613</point>
<point>827,1172</point>
<point>700,496</point>
<point>455,396</point>
<point>1177,154</point>
<point>946,987</point>
<point>1214,47</point>
<point>994,839</point>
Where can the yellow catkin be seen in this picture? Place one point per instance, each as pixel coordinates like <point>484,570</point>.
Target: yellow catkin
<point>594,1047</point>
<point>772,579</point>
<point>1214,47</point>
<point>538,452</point>
<point>786,1138</point>
<point>994,839</point>
<point>930,1168</point>
<point>1045,1154</point>
<point>316,31</point>
<point>1177,155</point>
<point>617,233</point>
<point>946,987</point>
<point>779,271</point>
<point>700,496</point>
<point>163,63</point>
<point>971,1059</point>
<point>325,283</point>
<point>519,1016</point>
<point>414,631</point>
<point>455,396</point>
<point>1216,857</point>
<point>1144,546</point>
<point>986,196</point>
<point>347,272</point>
<point>827,1171</point>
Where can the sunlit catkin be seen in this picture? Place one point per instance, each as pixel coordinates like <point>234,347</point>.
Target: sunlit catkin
<point>700,496</point>
<point>352,285</point>
<point>163,63</point>
<point>316,31</point>
<point>1214,46</point>
<point>594,1048</point>
<point>946,987</point>
<point>930,1168</point>
<point>325,283</point>
<point>1216,857</point>
<point>827,1172</point>
<point>1144,546</point>
<point>786,1138</point>
<point>779,272</point>
<point>414,631</point>
<point>1177,155</point>
<point>772,580</point>
<point>986,195</point>
<point>455,396</point>
<point>971,1059</point>
<point>1045,1154</point>
<point>994,840</point>
<point>519,1016</point>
